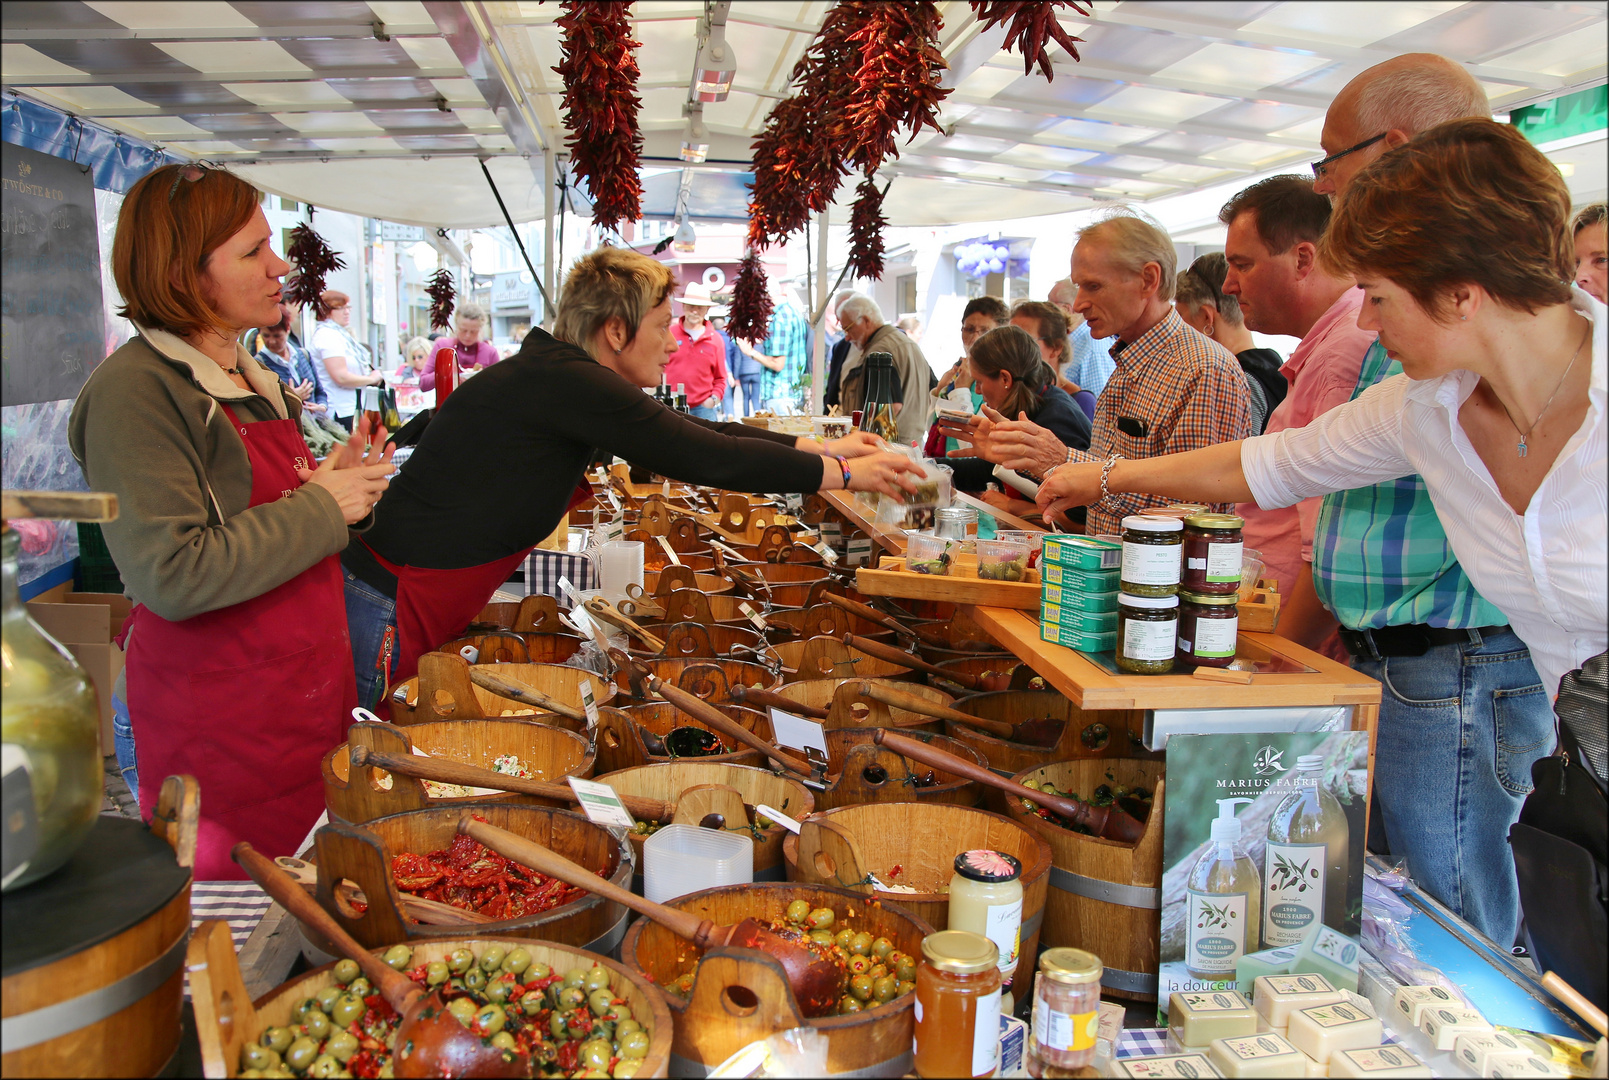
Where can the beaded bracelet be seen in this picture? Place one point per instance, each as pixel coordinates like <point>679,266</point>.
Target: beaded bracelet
<point>843,463</point>
<point>1106,472</point>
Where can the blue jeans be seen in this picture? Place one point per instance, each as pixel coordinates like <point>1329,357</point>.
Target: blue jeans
<point>369,614</point>
<point>123,745</point>
<point>1459,729</point>
<point>751,392</point>
<point>705,412</point>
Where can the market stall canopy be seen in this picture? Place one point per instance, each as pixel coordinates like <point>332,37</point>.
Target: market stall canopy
<point>382,109</point>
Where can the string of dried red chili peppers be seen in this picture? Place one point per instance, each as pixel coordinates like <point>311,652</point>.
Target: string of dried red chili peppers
<point>897,84</point>
<point>314,260</point>
<point>750,318</point>
<point>866,223</point>
<point>442,294</point>
<point>599,69</point>
<point>1031,24</point>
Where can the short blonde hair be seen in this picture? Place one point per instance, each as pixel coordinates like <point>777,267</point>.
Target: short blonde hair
<point>1134,242</point>
<point>416,343</point>
<point>610,283</point>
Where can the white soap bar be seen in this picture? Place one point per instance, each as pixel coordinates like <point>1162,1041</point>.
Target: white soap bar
<point>1411,1002</point>
<point>1174,1046</point>
<point>1443,1026</point>
<point>1257,1056</point>
<point>1377,1063</point>
<point>1198,1017</point>
<point>1474,1051</point>
<point>1166,1066</point>
<point>1530,1065</point>
<point>1277,996</point>
<point>1321,1030</point>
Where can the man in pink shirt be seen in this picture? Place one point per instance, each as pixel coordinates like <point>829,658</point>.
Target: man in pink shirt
<point>1274,229</point>
<point>699,364</point>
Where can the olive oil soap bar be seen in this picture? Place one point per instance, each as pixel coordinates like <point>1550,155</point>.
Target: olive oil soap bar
<point>1268,962</point>
<point>1530,1065</point>
<point>1165,1066</point>
<point>1320,1030</point>
<point>1197,1018</point>
<point>1329,953</point>
<point>1257,1056</point>
<point>1411,1002</point>
<point>1277,996</point>
<point>1377,1063</point>
<point>1444,1025</point>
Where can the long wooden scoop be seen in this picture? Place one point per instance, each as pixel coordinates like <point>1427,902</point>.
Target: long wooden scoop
<point>817,982</point>
<point>430,1040</point>
<point>873,615</point>
<point>606,611</point>
<point>900,656</point>
<point>704,713</point>
<point>1045,732</point>
<point>522,693</point>
<point>747,695</point>
<point>444,771</point>
<point>1107,822</point>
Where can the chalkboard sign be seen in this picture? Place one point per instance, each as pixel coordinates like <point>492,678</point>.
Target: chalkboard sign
<point>53,327</point>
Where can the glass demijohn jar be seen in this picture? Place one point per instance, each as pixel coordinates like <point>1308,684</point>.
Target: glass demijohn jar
<point>51,726</point>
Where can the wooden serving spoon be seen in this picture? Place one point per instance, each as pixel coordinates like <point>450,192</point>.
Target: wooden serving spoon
<point>899,656</point>
<point>747,695</point>
<point>606,611</point>
<point>873,615</point>
<point>704,713</point>
<point>1044,732</point>
<point>1107,822</point>
<point>817,982</point>
<point>430,1041</point>
<point>522,693</point>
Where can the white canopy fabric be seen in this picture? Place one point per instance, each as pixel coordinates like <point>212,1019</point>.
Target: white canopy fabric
<point>383,108</point>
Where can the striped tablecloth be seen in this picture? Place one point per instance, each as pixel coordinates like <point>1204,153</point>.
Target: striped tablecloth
<point>242,903</point>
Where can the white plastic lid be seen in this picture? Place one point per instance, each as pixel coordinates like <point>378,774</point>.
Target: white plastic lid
<point>1148,601</point>
<point>1150,523</point>
<point>1226,826</point>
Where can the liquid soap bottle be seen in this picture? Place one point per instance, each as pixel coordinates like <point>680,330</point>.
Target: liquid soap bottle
<point>1224,896</point>
<point>1305,859</point>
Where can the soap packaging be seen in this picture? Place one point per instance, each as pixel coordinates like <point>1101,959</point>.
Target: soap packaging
<point>1443,1025</point>
<point>1530,1065</point>
<point>1258,1056</point>
<point>1478,1051</point>
<point>1277,996</point>
<point>1165,1067</point>
<point>1377,1063</point>
<point>1320,1030</point>
<point>1328,953</point>
<point>1197,1018</point>
<point>1410,1002</point>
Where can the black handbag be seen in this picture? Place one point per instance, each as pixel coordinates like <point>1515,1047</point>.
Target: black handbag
<point>1561,841</point>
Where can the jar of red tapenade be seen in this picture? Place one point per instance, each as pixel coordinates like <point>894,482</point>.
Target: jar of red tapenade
<point>1207,629</point>
<point>1212,554</point>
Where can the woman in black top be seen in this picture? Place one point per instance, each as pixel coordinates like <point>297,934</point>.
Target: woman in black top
<point>505,457</point>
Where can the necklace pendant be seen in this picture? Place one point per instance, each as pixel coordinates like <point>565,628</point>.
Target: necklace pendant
<point>1521,448</point>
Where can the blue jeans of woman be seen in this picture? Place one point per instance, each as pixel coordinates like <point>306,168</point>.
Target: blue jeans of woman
<point>123,746</point>
<point>370,613</point>
<point>1459,729</point>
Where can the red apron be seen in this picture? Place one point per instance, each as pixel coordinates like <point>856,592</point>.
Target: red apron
<point>434,606</point>
<point>247,698</point>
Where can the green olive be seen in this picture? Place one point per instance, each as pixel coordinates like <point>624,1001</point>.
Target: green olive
<point>324,1066</point>
<point>595,1054</point>
<point>861,987</point>
<point>489,1020</point>
<point>533,1002</point>
<point>625,1027</point>
<point>684,984</point>
<point>905,970</point>
<point>499,990</point>
<point>517,961</point>
<point>859,965</point>
<point>537,971</point>
<point>257,1056</point>
<point>436,972</point>
<point>571,997</point>
<point>300,1054</point>
<point>385,1071</point>
<point>862,945</point>
<point>798,911</point>
<point>475,979</point>
<point>492,958</point>
<point>303,1007</point>
<point>398,957</point>
<point>601,1001</point>
<point>341,1045</point>
<point>592,1074</point>
<point>316,1024</point>
<point>460,961</point>
<point>598,978</point>
<point>885,989</point>
<point>556,1024</point>
<point>346,971</point>
<point>849,1004</point>
<point>878,970</point>
<point>575,977</point>
<point>626,1067</point>
<point>347,1008</point>
<point>634,1044</point>
<point>821,919</point>
<point>326,997</point>
<point>881,947</point>
<point>277,1038</point>
<point>463,1009</point>
<point>360,986</point>
<point>844,938</point>
<point>622,1015</point>
<point>822,937</point>
<point>249,1074</point>
<point>905,987</point>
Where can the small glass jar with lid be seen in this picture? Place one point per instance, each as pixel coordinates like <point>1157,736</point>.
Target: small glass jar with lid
<point>957,1006</point>
<point>986,898</point>
<point>1066,1018</point>
<point>1152,549</point>
<point>1147,633</point>
<point>1213,550</point>
<point>958,523</point>
<point>1208,629</point>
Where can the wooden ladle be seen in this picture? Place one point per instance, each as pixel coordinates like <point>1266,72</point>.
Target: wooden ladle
<point>1107,822</point>
<point>522,693</point>
<point>430,1041</point>
<point>702,712</point>
<point>748,695</point>
<point>873,615</point>
<point>1043,732</point>
<point>817,982</point>
<point>899,656</point>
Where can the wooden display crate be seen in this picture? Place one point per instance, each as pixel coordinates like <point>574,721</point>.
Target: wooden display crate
<point>961,586</point>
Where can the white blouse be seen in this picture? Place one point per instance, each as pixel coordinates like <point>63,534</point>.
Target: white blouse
<point>1546,569</point>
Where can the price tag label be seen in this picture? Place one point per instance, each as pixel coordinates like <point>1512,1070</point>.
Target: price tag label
<point>665,488</point>
<point>600,803</point>
<point>591,706</point>
<point>779,817</point>
<point>754,616</point>
<point>569,591</point>
<point>797,732</point>
<point>827,553</point>
<point>831,532</point>
<point>793,503</point>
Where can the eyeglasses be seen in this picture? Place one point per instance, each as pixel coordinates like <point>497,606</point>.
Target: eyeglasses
<point>188,173</point>
<point>1321,165</point>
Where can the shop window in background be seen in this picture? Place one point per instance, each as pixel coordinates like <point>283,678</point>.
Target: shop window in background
<point>905,292</point>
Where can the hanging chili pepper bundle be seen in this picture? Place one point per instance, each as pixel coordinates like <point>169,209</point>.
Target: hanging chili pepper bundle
<point>600,72</point>
<point>750,318</point>
<point>1031,24</point>
<point>866,223</point>
<point>314,261</point>
<point>441,293</point>
<point>896,86</point>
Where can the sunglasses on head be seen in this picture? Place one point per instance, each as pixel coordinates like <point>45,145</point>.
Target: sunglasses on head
<point>188,174</point>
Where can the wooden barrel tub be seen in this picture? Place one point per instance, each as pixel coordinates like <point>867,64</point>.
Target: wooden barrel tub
<point>513,647</point>
<point>869,773</point>
<point>620,744</point>
<point>1102,733</point>
<point>448,693</point>
<point>846,708</point>
<point>710,680</point>
<point>830,658</point>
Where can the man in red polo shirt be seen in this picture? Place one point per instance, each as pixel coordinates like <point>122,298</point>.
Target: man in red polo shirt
<point>700,360</point>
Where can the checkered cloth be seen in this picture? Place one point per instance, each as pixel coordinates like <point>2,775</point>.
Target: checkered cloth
<point>544,568</point>
<point>242,903</point>
<point>1142,1042</point>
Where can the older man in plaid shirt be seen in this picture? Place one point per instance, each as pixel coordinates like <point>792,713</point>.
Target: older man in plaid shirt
<point>1173,389</point>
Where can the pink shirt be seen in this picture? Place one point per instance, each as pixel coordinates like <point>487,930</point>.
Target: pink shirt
<point>1323,373</point>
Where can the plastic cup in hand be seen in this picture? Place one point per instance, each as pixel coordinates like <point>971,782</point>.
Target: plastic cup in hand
<point>622,566</point>
<point>1251,569</point>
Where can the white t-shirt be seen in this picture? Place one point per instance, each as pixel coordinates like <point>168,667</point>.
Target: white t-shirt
<point>329,339</point>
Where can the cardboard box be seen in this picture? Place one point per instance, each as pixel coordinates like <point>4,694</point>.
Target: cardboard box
<point>87,623</point>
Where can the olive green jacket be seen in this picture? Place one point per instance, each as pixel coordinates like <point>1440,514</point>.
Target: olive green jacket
<point>148,428</point>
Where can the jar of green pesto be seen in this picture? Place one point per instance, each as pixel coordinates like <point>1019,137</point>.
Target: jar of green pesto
<point>1153,549</point>
<point>1147,633</point>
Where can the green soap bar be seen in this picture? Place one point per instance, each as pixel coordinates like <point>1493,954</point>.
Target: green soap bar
<point>1081,552</point>
<point>1062,597</point>
<point>1196,1018</point>
<point>1257,1056</point>
<point>1331,954</point>
<point>1086,580</point>
<point>1268,962</point>
<point>1077,639</point>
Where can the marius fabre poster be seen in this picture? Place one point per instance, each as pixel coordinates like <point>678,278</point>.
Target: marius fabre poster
<point>1263,841</point>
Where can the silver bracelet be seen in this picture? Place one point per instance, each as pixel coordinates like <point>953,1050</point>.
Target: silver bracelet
<point>1106,472</point>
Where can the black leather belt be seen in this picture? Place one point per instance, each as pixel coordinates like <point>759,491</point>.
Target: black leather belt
<point>1414,640</point>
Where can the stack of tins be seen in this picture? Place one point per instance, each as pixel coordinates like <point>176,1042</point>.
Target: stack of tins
<point>693,787</point>
<point>227,1019</point>
<point>1104,896</point>
<point>443,691</point>
<point>94,953</point>
<point>915,845</point>
<point>741,996</point>
<point>550,753</point>
<point>363,854</point>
